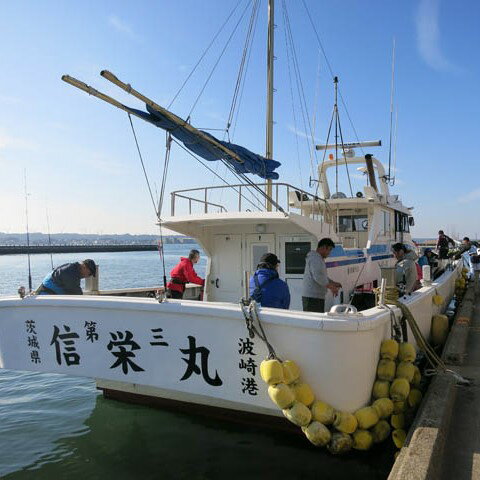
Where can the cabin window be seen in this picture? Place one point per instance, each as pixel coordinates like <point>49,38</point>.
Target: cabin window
<point>401,222</point>
<point>353,223</point>
<point>295,253</point>
<point>385,225</point>
<point>257,252</point>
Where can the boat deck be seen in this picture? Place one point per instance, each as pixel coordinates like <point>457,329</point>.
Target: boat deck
<point>444,443</point>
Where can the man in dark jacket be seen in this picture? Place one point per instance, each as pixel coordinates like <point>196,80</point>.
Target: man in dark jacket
<point>442,244</point>
<point>65,279</point>
<point>182,274</point>
<point>265,285</point>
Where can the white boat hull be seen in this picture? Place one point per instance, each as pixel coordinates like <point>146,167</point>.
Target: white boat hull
<point>199,352</point>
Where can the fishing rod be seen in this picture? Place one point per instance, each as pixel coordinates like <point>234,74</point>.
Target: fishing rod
<point>49,237</point>
<point>28,235</point>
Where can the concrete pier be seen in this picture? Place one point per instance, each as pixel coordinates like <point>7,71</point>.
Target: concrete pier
<point>444,441</point>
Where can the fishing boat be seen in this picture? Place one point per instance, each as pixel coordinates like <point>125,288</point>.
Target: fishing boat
<point>206,354</point>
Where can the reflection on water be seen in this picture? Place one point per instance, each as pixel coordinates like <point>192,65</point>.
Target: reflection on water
<point>124,441</point>
<point>36,410</point>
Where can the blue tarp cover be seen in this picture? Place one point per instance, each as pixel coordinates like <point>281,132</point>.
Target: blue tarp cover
<point>253,163</point>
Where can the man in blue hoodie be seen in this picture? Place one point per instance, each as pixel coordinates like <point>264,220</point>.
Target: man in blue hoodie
<point>266,287</point>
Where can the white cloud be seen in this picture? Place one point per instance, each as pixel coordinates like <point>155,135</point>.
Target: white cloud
<point>122,27</point>
<point>104,163</point>
<point>11,142</point>
<point>428,36</point>
<point>469,197</point>
<point>301,134</point>
<point>6,100</point>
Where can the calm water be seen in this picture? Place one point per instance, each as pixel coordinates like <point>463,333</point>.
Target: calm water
<point>59,427</point>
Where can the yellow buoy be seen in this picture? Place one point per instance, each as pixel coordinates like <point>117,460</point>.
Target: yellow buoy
<point>362,440</point>
<point>414,398</point>
<point>439,330</point>
<point>303,393</point>
<point>437,300</point>
<point>291,371</point>
<point>381,431</point>
<point>281,395</point>
<point>399,390</point>
<point>345,422</point>
<point>406,352</point>
<point>271,371</point>
<point>386,370</point>
<point>399,437</point>
<point>389,349</point>
<point>405,370</point>
<point>322,412</point>
<point>298,414</point>
<point>366,417</point>
<point>399,407</point>
<point>397,420</point>
<point>317,433</point>
<point>383,407</point>
<point>381,389</point>
<point>417,377</point>
<point>340,443</point>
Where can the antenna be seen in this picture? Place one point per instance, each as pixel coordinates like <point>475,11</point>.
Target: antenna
<point>392,183</point>
<point>391,110</point>
<point>28,235</point>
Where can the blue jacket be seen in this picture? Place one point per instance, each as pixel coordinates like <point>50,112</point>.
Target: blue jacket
<point>64,280</point>
<point>275,293</point>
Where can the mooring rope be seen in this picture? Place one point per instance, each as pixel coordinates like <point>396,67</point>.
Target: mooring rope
<point>392,298</point>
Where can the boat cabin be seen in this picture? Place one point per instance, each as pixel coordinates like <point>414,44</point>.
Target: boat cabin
<point>234,237</point>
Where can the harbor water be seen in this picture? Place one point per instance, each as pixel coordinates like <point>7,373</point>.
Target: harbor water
<point>60,427</point>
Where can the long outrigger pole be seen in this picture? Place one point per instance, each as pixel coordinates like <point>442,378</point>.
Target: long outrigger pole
<point>169,115</point>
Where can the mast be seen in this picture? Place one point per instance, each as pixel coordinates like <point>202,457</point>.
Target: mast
<point>269,132</point>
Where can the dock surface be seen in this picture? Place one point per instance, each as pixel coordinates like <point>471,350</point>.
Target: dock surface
<point>444,441</point>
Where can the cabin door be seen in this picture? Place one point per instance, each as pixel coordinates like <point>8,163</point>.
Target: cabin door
<point>226,270</point>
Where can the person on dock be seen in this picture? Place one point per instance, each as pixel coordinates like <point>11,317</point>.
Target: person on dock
<point>315,278</point>
<point>65,279</point>
<point>266,287</point>
<point>406,277</point>
<point>182,274</point>
<point>442,244</point>
<point>468,249</point>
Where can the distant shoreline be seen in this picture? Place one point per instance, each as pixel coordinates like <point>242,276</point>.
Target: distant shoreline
<point>34,249</point>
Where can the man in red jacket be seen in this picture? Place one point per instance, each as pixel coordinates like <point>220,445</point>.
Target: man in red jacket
<point>182,274</point>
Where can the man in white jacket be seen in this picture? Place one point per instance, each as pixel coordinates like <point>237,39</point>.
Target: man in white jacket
<point>315,279</point>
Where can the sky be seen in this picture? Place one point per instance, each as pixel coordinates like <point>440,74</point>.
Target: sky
<point>79,155</point>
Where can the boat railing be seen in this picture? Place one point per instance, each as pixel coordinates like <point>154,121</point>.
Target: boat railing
<point>245,197</point>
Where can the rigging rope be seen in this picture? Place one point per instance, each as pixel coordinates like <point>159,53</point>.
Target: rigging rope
<point>331,72</point>
<point>203,54</point>
<point>391,297</point>
<point>162,190</point>
<point>212,171</point>
<point>217,62</point>
<point>290,83</point>
<point>143,166</point>
<point>298,78</point>
<point>241,69</point>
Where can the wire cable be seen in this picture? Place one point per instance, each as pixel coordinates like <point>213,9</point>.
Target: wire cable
<point>203,54</point>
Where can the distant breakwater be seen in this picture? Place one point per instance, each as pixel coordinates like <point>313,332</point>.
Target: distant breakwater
<point>22,249</point>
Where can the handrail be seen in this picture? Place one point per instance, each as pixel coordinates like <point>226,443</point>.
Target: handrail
<point>277,184</point>
<point>302,196</point>
<point>190,199</point>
